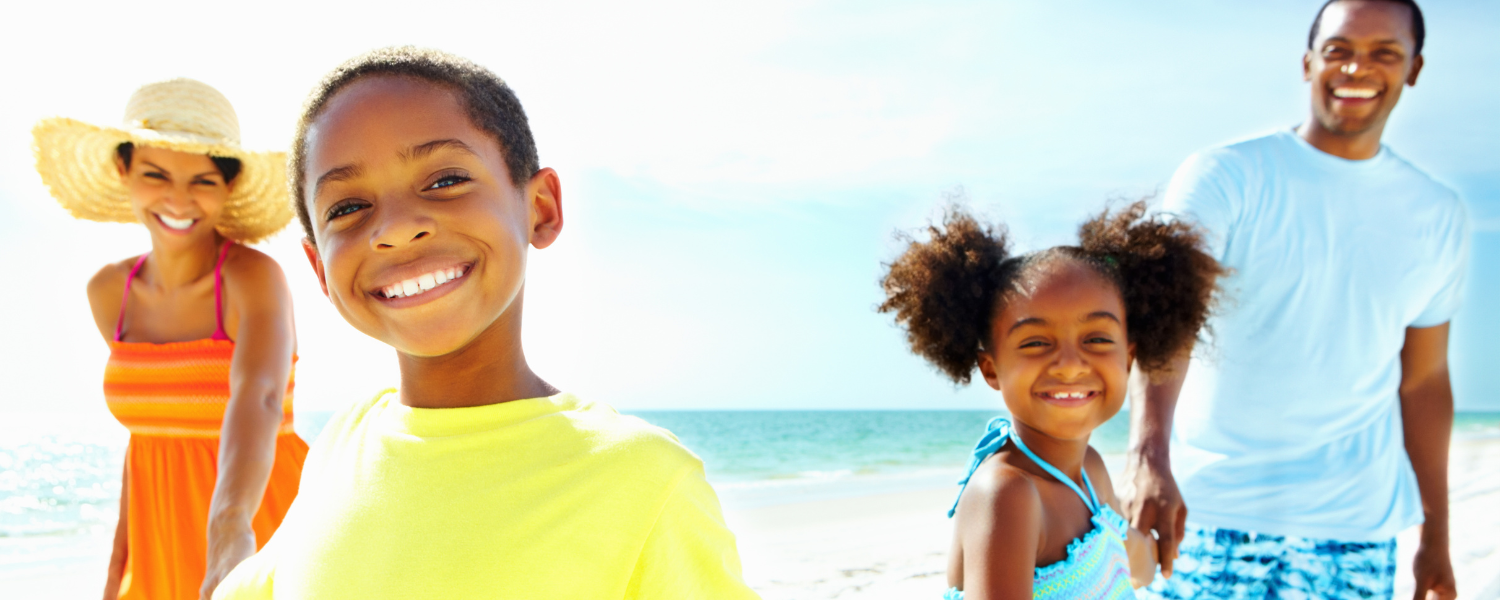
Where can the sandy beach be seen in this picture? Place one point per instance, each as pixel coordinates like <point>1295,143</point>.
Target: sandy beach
<point>894,544</point>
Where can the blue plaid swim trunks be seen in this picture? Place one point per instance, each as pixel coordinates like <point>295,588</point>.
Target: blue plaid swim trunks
<point>1236,565</point>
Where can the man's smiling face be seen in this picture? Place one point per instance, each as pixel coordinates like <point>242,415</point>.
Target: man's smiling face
<point>1361,58</point>
<point>420,234</point>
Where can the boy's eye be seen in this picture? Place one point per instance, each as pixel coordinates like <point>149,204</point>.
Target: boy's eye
<point>156,175</point>
<point>205,182</point>
<point>449,180</point>
<point>344,208</point>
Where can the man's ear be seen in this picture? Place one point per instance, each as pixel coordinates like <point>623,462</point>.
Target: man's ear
<point>987,368</point>
<point>1307,58</point>
<point>544,198</point>
<point>1416,68</point>
<point>316,260</point>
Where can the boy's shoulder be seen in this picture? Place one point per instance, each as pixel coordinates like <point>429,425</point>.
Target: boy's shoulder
<point>607,432</point>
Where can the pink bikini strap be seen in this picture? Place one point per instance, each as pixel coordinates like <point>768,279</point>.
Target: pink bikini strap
<point>120,322</point>
<point>219,333</point>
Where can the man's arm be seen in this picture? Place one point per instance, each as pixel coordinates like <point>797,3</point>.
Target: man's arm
<point>1427,420</point>
<point>1152,500</point>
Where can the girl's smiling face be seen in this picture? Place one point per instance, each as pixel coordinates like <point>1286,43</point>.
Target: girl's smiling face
<point>420,234</point>
<point>1058,352</point>
<point>179,196</point>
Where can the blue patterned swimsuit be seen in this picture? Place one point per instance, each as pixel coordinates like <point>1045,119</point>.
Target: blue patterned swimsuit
<point>1097,566</point>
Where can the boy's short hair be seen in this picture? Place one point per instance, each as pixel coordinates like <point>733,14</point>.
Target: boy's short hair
<point>491,105</point>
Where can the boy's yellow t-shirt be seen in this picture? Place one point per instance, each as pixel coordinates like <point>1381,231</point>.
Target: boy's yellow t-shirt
<point>542,498</point>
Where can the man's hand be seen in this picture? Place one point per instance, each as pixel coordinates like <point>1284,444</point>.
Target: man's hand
<point>1152,501</point>
<point>1154,504</point>
<point>225,551</point>
<point>1434,572</point>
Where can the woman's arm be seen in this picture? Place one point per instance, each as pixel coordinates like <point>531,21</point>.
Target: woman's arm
<point>999,524</point>
<point>264,343</point>
<point>121,550</point>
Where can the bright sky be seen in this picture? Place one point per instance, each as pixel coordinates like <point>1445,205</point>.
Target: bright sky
<point>732,175</point>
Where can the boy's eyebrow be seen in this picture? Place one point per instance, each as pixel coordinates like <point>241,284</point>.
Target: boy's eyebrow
<point>343,173</point>
<point>1026,321</point>
<point>424,150</point>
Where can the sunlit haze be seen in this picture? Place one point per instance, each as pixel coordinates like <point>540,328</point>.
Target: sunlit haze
<point>732,175</point>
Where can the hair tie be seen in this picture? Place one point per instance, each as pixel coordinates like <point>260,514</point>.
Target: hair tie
<point>1110,260</point>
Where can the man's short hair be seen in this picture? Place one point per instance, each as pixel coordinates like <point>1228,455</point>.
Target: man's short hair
<point>1418,28</point>
<point>491,106</point>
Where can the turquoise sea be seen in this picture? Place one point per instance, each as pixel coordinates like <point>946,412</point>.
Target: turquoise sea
<point>59,484</point>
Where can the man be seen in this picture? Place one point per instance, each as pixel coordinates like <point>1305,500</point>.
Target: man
<point>1315,426</point>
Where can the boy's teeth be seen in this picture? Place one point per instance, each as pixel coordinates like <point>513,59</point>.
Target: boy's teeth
<point>421,283</point>
<point>175,223</point>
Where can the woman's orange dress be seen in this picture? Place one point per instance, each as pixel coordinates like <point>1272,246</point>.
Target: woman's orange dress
<point>172,398</point>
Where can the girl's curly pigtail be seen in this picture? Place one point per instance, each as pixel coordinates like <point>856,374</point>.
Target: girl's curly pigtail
<point>1167,279</point>
<point>943,291</point>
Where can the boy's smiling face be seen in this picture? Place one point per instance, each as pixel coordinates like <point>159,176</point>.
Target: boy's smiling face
<point>420,234</point>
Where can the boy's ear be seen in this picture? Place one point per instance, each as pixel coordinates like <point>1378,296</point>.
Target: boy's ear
<point>987,369</point>
<point>316,261</point>
<point>544,196</point>
<point>121,169</point>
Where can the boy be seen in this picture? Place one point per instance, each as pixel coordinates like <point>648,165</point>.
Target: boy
<point>416,179</point>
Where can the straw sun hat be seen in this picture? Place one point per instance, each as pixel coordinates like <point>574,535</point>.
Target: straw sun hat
<point>77,160</point>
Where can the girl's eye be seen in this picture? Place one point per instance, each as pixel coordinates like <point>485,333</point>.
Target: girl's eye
<point>156,175</point>
<point>205,182</point>
<point>1033,344</point>
<point>1099,340</point>
<point>449,180</point>
<point>346,208</point>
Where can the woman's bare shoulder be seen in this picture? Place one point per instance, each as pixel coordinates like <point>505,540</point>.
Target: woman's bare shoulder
<point>106,289</point>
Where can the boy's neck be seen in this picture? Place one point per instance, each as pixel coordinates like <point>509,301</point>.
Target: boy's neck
<point>489,370</point>
<point>1066,455</point>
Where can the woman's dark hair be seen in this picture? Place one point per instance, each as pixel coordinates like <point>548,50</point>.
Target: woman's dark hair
<point>228,167</point>
<point>946,291</point>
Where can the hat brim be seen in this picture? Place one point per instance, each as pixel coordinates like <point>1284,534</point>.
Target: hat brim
<point>77,163</point>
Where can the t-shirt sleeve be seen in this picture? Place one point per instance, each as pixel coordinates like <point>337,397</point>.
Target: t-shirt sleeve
<point>690,552</point>
<point>251,580</point>
<point>1453,263</point>
<point>1208,189</point>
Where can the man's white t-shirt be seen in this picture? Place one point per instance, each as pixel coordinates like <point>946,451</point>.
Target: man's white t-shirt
<point>1289,422</point>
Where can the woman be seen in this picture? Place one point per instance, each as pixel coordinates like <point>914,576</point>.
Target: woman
<point>199,330</point>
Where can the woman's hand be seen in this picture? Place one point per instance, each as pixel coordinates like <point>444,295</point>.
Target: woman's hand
<point>228,546</point>
<point>1142,551</point>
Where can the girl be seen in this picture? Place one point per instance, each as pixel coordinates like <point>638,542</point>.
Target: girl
<point>201,343</point>
<point>1056,333</point>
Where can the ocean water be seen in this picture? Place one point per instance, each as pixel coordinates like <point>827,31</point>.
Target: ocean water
<point>60,483</point>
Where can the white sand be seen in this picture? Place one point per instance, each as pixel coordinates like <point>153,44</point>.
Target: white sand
<point>895,545</point>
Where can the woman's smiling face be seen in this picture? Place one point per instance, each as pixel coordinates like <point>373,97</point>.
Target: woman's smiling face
<point>420,233</point>
<point>179,196</point>
<point>1058,351</point>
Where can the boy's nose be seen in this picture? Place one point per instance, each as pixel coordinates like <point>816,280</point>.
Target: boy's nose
<point>401,228</point>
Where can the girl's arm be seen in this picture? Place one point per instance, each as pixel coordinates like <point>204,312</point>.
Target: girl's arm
<point>122,536</point>
<point>999,525</point>
<point>264,343</point>
<point>1139,546</point>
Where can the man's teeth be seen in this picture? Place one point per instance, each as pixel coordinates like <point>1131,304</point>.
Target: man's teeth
<point>1346,92</point>
<point>422,283</point>
<point>175,223</point>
